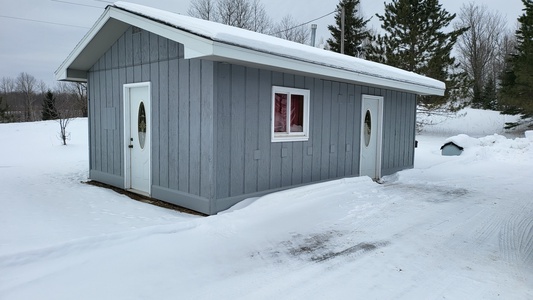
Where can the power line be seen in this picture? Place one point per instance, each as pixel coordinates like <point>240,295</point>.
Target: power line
<point>74,3</point>
<point>284,30</point>
<point>39,21</point>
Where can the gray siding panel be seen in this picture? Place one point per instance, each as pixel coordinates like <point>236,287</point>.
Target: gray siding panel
<point>326,129</point>
<point>182,121</point>
<point>173,124</point>
<point>251,116</point>
<point>164,124</point>
<point>202,106</point>
<point>237,128</point>
<point>156,117</point>
<point>246,140</point>
<point>223,130</point>
<point>195,126</point>
<point>315,134</point>
<point>334,145</point>
<point>398,132</point>
<point>207,178</point>
<point>264,135</point>
<point>334,132</point>
<point>307,148</point>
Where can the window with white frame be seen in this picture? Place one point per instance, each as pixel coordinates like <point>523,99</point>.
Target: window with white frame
<point>290,114</point>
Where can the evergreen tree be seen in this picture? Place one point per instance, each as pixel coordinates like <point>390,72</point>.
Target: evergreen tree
<point>415,41</point>
<point>355,31</point>
<point>489,97</point>
<point>516,91</point>
<point>49,111</point>
<point>4,116</point>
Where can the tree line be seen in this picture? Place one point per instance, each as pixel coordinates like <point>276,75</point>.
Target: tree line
<point>25,99</point>
<point>484,63</point>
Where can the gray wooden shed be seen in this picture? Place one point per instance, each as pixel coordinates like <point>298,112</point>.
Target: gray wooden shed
<point>204,115</point>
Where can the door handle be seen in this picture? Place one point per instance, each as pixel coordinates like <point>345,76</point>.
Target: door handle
<point>130,146</point>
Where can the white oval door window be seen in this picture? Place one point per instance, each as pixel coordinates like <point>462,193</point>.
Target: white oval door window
<point>368,128</point>
<point>141,125</point>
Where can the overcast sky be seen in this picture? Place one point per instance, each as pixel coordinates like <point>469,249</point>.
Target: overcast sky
<point>39,48</point>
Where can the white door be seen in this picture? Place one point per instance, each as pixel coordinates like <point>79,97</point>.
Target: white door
<point>137,132</point>
<point>371,126</point>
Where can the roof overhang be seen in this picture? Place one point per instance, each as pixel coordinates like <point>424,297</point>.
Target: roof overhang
<point>115,21</point>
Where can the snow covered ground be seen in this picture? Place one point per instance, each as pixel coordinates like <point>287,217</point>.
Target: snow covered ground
<point>451,228</point>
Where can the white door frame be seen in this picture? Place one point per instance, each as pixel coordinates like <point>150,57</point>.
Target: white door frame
<point>379,136</point>
<point>127,130</point>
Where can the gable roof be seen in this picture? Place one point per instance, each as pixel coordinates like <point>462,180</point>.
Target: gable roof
<point>219,42</point>
<point>453,145</point>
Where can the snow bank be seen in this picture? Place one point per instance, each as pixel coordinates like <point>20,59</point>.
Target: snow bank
<point>495,146</point>
<point>474,122</point>
<point>529,134</point>
<point>457,228</point>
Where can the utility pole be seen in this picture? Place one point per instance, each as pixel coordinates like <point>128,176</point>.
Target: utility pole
<point>342,30</point>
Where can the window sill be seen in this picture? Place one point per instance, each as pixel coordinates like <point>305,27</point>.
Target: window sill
<point>289,138</point>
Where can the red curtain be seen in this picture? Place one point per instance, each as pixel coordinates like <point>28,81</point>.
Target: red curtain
<point>297,113</point>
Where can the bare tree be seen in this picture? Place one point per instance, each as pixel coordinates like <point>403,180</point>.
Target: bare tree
<point>289,29</point>
<point>80,90</point>
<point>247,14</point>
<point>27,85</point>
<point>234,13</point>
<point>72,98</point>
<point>203,9</point>
<point>507,46</point>
<point>479,47</point>
<point>65,107</point>
<point>260,21</point>
<point>63,123</point>
<point>7,85</point>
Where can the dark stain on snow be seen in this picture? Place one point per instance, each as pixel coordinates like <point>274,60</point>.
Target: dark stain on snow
<point>432,193</point>
<point>325,246</point>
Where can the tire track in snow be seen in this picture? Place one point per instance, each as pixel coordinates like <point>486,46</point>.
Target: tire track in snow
<point>90,243</point>
<point>516,237</point>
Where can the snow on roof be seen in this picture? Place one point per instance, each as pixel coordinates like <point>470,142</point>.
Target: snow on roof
<point>272,45</point>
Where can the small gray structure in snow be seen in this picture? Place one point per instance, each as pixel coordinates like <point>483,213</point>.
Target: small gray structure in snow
<point>204,115</point>
<point>451,149</point>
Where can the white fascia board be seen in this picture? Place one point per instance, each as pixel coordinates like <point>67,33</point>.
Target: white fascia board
<point>267,59</point>
<point>195,46</point>
<point>61,72</point>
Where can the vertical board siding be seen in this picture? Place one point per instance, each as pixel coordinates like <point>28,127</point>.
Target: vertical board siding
<point>206,119</point>
<point>315,134</point>
<point>164,154</point>
<point>325,147</point>
<point>334,132</point>
<point>275,148</point>
<point>341,148</point>
<point>182,121</point>
<point>307,148</point>
<point>263,133</point>
<point>173,123</point>
<point>251,116</point>
<point>194,126</point>
<point>236,136</point>
<point>247,161</point>
<point>399,117</point>
<point>199,106</point>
